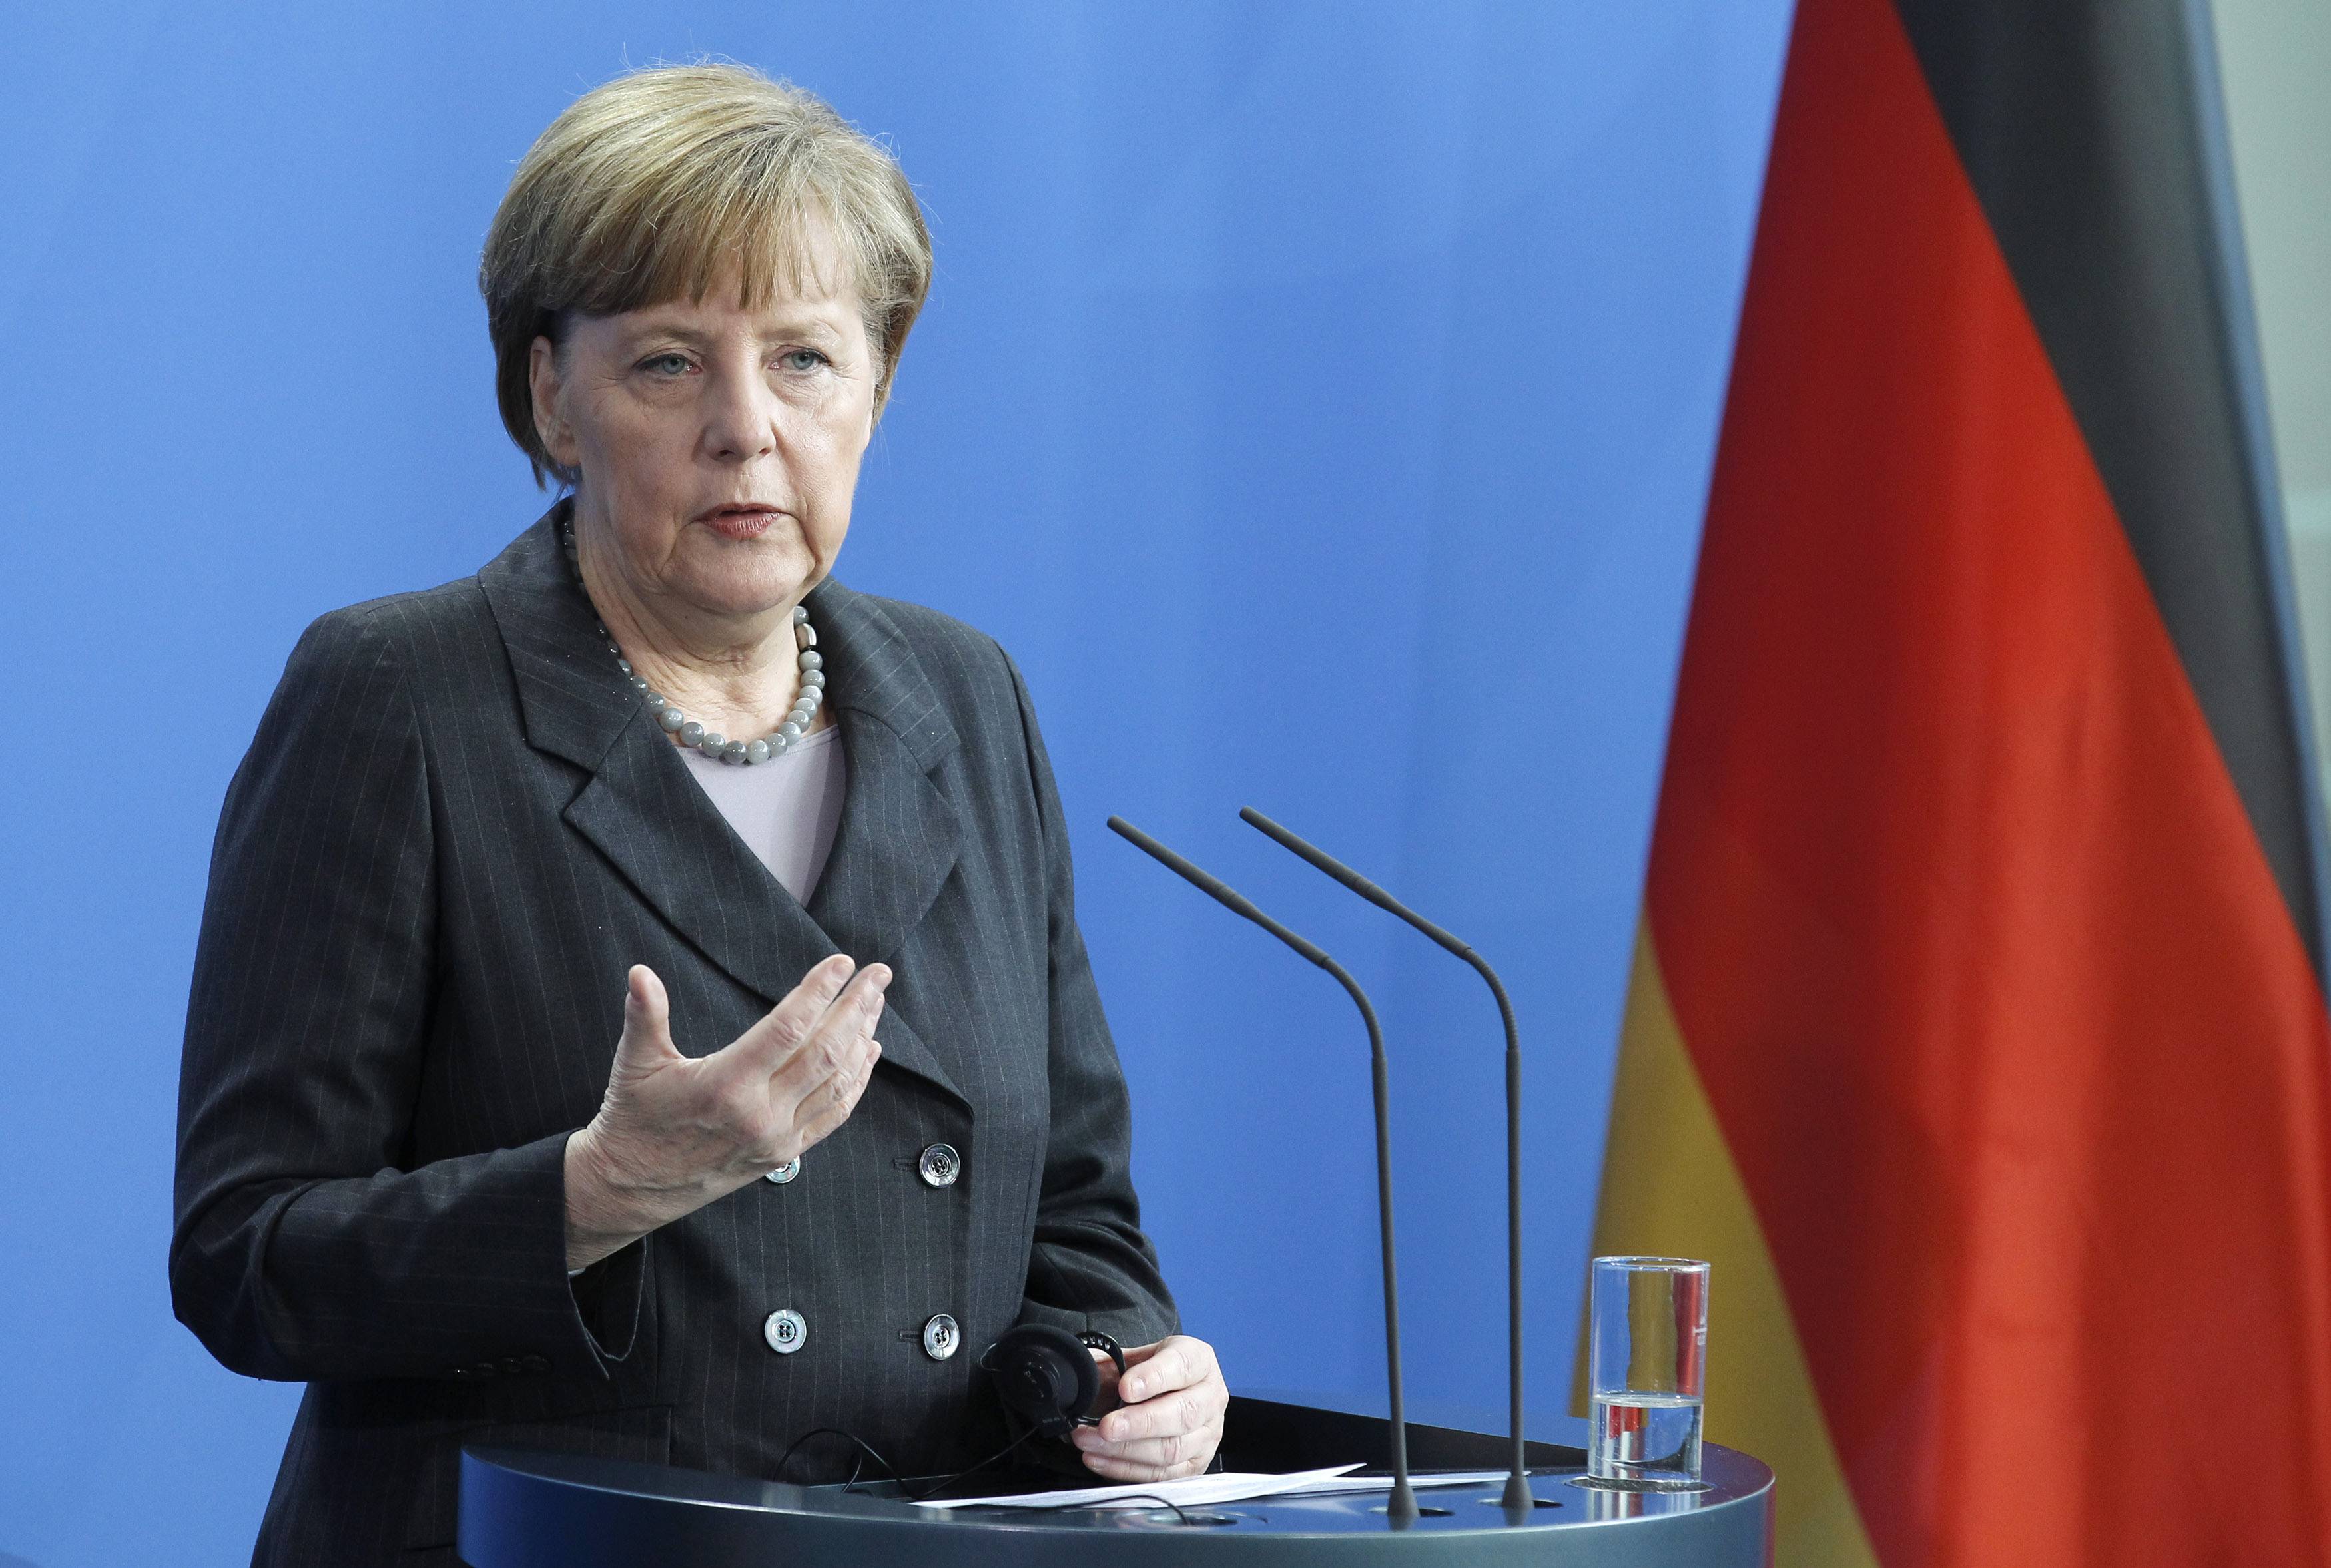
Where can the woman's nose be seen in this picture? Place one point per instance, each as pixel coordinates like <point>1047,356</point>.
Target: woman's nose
<point>739,418</point>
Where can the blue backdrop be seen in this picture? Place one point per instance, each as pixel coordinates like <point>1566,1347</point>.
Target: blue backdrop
<point>1317,400</point>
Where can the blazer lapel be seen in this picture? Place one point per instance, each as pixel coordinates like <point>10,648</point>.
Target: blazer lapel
<point>899,835</point>
<point>642,811</point>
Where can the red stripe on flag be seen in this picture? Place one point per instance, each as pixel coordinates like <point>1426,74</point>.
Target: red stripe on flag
<point>2002,1015</point>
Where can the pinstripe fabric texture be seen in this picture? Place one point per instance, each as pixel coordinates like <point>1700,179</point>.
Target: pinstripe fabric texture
<point>454,832</point>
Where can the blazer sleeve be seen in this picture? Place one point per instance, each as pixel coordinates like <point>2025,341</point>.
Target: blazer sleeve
<point>303,1246</point>
<point>1091,1265</point>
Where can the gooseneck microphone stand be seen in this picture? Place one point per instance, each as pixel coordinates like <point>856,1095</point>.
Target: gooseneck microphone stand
<point>1517,1493</point>
<point>1399,1508</point>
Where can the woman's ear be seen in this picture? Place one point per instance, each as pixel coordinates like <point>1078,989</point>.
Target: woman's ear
<point>550,425</point>
<point>875,405</point>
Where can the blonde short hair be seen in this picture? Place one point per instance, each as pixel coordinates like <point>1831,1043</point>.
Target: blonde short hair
<point>658,184</point>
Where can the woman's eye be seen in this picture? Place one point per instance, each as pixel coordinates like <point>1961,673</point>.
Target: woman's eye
<point>666,365</point>
<point>801,360</point>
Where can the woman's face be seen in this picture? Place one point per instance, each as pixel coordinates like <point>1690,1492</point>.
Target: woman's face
<point>718,446</point>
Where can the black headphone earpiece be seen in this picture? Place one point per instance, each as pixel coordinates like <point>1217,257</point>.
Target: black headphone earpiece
<point>1046,1375</point>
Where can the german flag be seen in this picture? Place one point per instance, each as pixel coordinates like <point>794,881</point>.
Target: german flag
<point>1977,1028</point>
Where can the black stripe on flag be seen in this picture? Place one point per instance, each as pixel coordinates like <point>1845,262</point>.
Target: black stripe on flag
<point>2081,125</point>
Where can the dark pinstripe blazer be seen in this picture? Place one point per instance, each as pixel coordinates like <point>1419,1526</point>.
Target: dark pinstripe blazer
<point>455,831</point>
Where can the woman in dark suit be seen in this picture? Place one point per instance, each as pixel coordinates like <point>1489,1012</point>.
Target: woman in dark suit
<point>562,1072</point>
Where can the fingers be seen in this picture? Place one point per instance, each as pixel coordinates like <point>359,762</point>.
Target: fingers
<point>1172,1421</point>
<point>1159,1416</point>
<point>831,1106</point>
<point>645,1043</point>
<point>1176,1361</point>
<point>840,1048</point>
<point>1157,1462</point>
<point>645,1001</point>
<point>835,992</point>
<point>1160,1459</point>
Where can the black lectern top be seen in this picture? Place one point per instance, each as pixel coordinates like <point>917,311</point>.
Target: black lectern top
<point>530,1510</point>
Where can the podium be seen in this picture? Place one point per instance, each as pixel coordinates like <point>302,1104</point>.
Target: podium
<point>541,1510</point>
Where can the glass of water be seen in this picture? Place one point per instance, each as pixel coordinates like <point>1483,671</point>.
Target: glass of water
<point>1647,1363</point>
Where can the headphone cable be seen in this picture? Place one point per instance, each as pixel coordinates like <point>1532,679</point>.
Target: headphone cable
<point>868,1450</point>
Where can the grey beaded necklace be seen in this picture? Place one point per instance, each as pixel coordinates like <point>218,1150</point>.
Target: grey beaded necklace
<point>711,743</point>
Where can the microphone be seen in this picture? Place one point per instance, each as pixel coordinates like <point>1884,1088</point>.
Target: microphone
<point>1401,1507</point>
<point>1517,1493</point>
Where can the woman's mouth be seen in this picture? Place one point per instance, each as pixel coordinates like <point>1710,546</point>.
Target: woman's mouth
<point>740,522</point>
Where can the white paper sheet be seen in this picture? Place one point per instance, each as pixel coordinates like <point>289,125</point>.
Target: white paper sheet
<point>1383,1483</point>
<point>1230,1487</point>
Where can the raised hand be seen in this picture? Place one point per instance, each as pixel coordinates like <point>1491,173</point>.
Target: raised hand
<point>676,1132</point>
